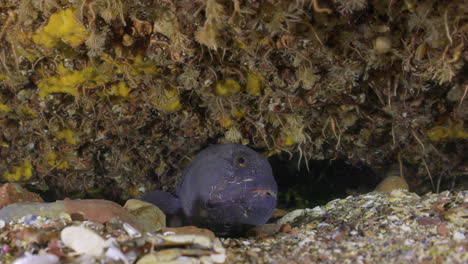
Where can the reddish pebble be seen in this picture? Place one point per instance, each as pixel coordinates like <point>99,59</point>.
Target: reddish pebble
<point>443,229</point>
<point>428,221</point>
<point>54,248</point>
<point>286,228</point>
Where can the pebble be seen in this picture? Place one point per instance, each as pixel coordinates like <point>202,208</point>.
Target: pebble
<point>291,216</point>
<point>96,210</point>
<point>29,258</point>
<point>459,236</point>
<point>115,254</point>
<point>83,240</point>
<point>392,183</point>
<point>150,217</point>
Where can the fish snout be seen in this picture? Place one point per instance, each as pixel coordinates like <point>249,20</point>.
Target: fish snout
<point>264,192</point>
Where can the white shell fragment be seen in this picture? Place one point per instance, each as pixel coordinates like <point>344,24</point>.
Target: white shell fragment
<point>131,231</point>
<point>116,254</point>
<point>83,240</point>
<point>37,259</point>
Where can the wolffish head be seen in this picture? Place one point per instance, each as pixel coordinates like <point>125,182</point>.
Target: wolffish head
<point>229,186</point>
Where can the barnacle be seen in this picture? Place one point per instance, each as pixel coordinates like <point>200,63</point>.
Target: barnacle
<point>62,27</point>
<point>233,135</point>
<point>350,6</point>
<point>307,76</point>
<point>95,42</point>
<point>293,131</point>
<point>281,17</point>
<point>109,10</point>
<point>208,35</point>
<point>167,24</point>
<point>21,172</point>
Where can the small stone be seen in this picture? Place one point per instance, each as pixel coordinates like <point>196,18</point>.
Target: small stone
<point>83,240</point>
<point>316,212</point>
<point>150,216</point>
<point>37,259</point>
<point>286,228</point>
<point>116,254</point>
<point>152,258</point>
<point>457,215</point>
<point>459,236</point>
<point>101,211</point>
<point>382,44</point>
<point>428,221</point>
<point>278,213</point>
<point>341,233</point>
<point>265,230</point>
<point>392,183</point>
<point>188,235</point>
<point>131,231</point>
<point>443,229</point>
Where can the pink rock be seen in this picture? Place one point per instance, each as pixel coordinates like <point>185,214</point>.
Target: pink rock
<point>11,193</point>
<point>102,211</point>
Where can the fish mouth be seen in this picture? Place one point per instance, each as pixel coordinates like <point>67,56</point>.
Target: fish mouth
<point>264,192</point>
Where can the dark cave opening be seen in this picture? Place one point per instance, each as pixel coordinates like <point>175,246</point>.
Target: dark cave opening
<point>320,182</point>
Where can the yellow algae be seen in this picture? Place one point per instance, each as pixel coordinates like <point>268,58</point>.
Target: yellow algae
<point>454,131</point>
<point>141,66</point>
<point>21,172</point>
<point>168,100</point>
<point>26,110</point>
<point>62,27</point>
<point>68,135</point>
<point>254,84</point>
<point>69,81</point>
<point>227,87</point>
<point>4,108</point>
<point>120,89</point>
<point>287,140</point>
<point>3,77</point>
<point>52,161</point>
<point>238,113</point>
<point>241,44</point>
<point>225,121</point>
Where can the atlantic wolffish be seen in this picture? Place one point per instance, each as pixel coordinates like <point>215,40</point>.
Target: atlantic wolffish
<point>226,188</point>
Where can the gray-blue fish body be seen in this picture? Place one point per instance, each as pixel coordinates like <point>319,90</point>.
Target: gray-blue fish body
<point>225,188</point>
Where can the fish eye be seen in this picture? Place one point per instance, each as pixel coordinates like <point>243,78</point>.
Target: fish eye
<point>240,160</point>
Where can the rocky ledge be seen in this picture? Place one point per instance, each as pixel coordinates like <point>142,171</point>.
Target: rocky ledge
<point>389,227</point>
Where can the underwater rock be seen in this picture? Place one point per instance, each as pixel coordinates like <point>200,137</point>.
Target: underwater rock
<point>11,193</point>
<point>392,183</point>
<point>150,216</point>
<point>93,210</point>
